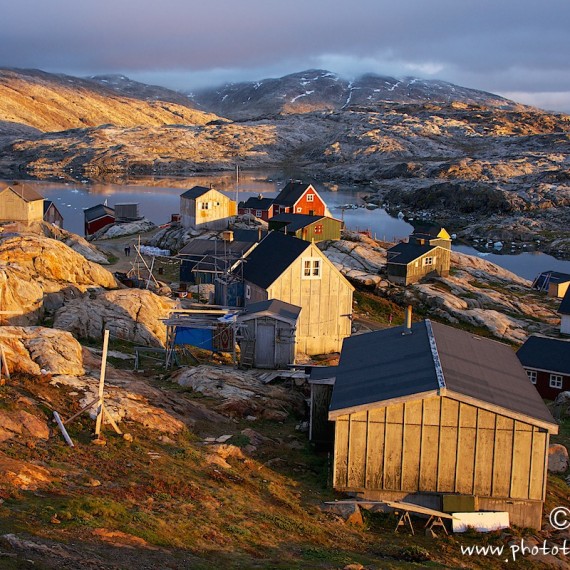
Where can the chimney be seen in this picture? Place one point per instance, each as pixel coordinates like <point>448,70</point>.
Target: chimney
<point>228,235</point>
<point>258,234</point>
<point>408,329</point>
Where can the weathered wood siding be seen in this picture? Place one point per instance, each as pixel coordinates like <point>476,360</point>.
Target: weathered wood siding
<point>220,209</point>
<point>415,270</point>
<point>439,445</point>
<point>15,209</point>
<point>326,303</point>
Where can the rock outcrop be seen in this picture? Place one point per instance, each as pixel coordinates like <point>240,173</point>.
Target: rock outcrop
<point>129,314</point>
<point>40,350</point>
<point>40,274</point>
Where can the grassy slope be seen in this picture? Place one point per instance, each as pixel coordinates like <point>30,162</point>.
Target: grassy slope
<point>262,513</point>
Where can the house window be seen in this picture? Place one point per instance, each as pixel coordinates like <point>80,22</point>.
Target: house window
<point>258,213</point>
<point>205,205</point>
<point>310,197</point>
<point>299,210</point>
<point>531,375</point>
<point>311,268</point>
<point>556,381</point>
<point>319,229</point>
<point>247,292</point>
<point>428,260</point>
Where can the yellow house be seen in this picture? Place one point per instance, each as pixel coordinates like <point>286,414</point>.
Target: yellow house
<point>19,203</point>
<point>297,272</point>
<point>206,208</point>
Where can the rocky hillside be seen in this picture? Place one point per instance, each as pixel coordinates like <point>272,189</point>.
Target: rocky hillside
<point>47,102</point>
<point>319,90</point>
<point>458,155</point>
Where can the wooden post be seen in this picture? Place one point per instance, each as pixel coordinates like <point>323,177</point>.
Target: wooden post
<point>63,430</point>
<point>102,384</point>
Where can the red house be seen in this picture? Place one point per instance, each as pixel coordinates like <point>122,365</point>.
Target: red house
<point>257,206</point>
<point>547,364</point>
<point>98,217</point>
<point>299,198</point>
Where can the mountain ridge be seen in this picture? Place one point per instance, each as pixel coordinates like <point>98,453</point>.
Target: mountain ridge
<point>320,90</point>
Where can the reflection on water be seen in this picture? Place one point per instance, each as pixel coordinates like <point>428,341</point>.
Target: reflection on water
<point>159,198</point>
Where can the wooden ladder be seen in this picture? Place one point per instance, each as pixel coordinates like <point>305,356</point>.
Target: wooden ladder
<point>247,354</point>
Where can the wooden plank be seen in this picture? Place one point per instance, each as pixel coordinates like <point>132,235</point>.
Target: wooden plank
<point>411,457</point>
<point>375,452</point>
<point>537,473</point>
<point>521,468</point>
<point>503,457</point>
<point>484,458</point>
<point>357,450</point>
<point>428,472</point>
<point>340,474</point>
<point>393,455</point>
<point>418,509</point>
<point>465,458</point>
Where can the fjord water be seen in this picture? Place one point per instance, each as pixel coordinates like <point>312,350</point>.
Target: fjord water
<point>159,198</point>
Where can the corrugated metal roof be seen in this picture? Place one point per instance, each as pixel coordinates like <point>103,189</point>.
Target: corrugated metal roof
<point>542,353</point>
<point>388,364</point>
<point>295,222</point>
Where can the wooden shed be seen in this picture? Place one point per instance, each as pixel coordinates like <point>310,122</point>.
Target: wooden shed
<point>206,208</point>
<point>553,282</point>
<point>271,325</point>
<point>98,217</point>
<point>308,228</point>
<point>20,203</point>
<point>52,215</point>
<point>428,410</point>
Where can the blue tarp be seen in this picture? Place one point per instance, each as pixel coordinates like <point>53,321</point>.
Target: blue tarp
<point>201,338</point>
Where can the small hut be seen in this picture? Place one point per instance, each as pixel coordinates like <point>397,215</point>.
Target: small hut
<point>270,328</point>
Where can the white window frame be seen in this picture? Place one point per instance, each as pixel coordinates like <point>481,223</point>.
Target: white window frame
<point>310,197</point>
<point>428,261</point>
<point>556,381</point>
<point>532,376</point>
<point>248,292</point>
<point>204,205</point>
<point>311,268</point>
<point>299,210</point>
<point>258,213</point>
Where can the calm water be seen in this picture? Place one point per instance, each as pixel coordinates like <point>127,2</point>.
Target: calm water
<point>159,198</point>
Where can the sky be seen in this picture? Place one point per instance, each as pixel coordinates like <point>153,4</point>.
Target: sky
<point>519,49</point>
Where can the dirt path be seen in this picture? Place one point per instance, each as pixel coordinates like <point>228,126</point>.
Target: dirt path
<point>116,248</point>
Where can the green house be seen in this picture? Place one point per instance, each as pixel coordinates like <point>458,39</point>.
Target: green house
<point>305,227</point>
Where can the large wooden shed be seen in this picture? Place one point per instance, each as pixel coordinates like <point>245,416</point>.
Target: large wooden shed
<point>20,203</point>
<point>428,410</point>
<point>308,228</point>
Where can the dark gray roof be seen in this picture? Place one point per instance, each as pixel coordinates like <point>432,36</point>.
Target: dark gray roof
<point>404,253</point>
<point>427,229</point>
<point>295,222</point>
<point>98,211</point>
<point>274,306</point>
<point>547,277</point>
<point>256,203</point>
<point>388,364</point>
<point>195,192</point>
<point>291,193</point>
<point>542,353</point>
<point>564,308</point>
<point>274,254</point>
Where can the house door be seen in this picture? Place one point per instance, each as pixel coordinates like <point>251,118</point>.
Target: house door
<point>265,345</point>
<point>311,212</point>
